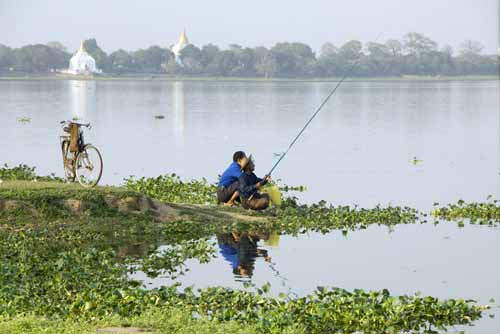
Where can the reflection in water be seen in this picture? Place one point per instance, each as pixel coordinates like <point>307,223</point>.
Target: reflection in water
<point>241,250</point>
<point>179,108</point>
<point>83,98</point>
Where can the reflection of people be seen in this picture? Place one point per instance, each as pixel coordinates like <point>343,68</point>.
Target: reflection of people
<point>240,250</point>
<point>227,192</point>
<point>249,184</point>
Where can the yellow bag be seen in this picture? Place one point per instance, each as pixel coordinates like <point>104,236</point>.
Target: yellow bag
<point>274,193</point>
<point>273,241</point>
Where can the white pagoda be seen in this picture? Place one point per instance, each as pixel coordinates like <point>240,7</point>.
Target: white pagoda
<point>181,44</point>
<point>82,63</point>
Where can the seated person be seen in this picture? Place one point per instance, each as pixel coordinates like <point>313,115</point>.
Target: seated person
<point>227,192</point>
<point>249,183</point>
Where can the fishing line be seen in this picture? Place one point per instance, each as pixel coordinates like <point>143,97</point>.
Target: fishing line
<point>348,73</point>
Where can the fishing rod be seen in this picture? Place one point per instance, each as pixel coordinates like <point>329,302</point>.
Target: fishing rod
<point>348,73</point>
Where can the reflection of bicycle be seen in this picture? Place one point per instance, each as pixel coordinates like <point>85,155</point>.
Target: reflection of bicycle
<point>82,162</point>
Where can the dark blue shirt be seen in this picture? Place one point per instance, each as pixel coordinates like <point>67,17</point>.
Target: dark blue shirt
<point>230,254</point>
<point>230,175</point>
<point>247,184</point>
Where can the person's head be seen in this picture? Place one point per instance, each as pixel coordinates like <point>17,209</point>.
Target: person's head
<point>239,156</point>
<point>249,166</point>
<point>244,270</point>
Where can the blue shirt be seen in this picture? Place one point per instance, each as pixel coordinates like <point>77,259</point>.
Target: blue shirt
<point>230,254</point>
<point>230,175</point>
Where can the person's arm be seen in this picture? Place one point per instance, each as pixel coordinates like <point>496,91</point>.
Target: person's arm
<point>262,182</point>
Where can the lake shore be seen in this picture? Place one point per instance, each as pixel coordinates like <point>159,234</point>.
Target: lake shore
<point>145,77</point>
<point>77,245</point>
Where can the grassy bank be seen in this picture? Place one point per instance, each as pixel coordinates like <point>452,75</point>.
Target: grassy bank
<point>247,79</point>
<point>67,253</point>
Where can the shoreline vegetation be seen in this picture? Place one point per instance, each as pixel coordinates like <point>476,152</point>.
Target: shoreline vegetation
<point>67,253</point>
<point>414,54</point>
<point>156,77</point>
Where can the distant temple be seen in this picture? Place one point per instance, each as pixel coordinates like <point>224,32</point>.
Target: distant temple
<point>181,44</point>
<point>82,63</point>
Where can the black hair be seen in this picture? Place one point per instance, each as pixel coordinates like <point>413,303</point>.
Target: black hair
<point>238,155</point>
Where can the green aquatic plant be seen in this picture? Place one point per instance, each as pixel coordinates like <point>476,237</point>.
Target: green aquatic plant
<point>23,120</point>
<point>293,219</point>
<point>171,188</point>
<point>57,274</point>
<point>72,266</point>
<point>24,173</point>
<point>486,213</point>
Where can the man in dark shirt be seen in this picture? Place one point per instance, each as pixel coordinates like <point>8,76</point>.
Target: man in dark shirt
<point>249,184</point>
<point>227,192</point>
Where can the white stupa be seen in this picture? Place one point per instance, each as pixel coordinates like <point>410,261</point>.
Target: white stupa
<point>181,44</point>
<point>82,63</point>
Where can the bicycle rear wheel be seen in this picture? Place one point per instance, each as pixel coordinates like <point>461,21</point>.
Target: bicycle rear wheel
<point>89,166</point>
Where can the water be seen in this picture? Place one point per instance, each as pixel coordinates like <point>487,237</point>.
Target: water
<point>442,261</point>
<point>358,151</point>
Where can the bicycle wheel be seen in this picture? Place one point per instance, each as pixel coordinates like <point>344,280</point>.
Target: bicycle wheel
<point>88,166</point>
<point>68,162</point>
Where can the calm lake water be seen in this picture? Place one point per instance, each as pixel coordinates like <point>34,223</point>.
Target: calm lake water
<point>357,151</point>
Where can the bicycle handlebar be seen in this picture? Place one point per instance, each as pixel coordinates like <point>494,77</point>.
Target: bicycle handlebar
<point>87,125</point>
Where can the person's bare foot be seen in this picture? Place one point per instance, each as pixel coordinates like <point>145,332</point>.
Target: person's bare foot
<point>229,204</point>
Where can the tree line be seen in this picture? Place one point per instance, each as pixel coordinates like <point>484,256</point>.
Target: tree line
<point>414,54</point>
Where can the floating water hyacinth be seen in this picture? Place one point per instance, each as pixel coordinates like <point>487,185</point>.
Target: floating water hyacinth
<point>23,120</point>
<point>416,161</point>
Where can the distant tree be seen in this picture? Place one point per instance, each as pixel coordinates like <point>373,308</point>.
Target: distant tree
<point>6,58</point>
<point>395,47</point>
<point>191,59</point>
<point>470,47</point>
<point>245,59</point>
<point>225,62</point>
<point>293,59</point>
<point>347,55</point>
<point>122,62</point>
<point>379,60</point>
<point>328,50</point>
<point>208,54</point>
<point>39,58</point>
<point>152,59</point>
<point>172,67</point>
<point>57,45</point>
<point>265,63</point>
<point>417,44</point>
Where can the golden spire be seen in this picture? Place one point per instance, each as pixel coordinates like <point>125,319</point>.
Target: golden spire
<point>82,47</point>
<point>183,38</point>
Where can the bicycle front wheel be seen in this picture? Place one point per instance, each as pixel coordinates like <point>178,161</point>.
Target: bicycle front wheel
<point>89,166</point>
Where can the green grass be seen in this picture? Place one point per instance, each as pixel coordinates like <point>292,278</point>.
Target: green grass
<point>168,320</point>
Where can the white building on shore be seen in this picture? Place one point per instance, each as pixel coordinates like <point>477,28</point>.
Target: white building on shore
<point>82,63</point>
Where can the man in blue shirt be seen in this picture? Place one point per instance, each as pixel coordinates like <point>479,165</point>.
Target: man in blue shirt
<point>227,192</point>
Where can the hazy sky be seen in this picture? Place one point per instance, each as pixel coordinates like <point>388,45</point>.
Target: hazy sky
<point>130,24</point>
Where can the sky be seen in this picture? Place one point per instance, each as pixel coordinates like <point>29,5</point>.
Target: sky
<point>133,24</point>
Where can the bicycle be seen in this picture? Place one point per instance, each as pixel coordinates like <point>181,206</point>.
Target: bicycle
<point>81,161</point>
